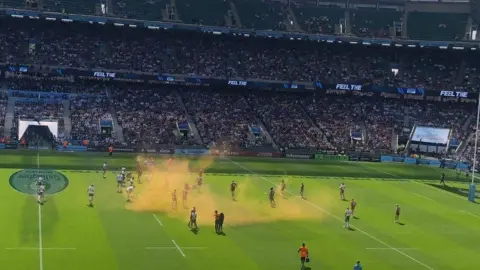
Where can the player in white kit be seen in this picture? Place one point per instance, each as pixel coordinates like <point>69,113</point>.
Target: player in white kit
<point>348,214</point>
<point>124,172</point>
<point>342,191</point>
<point>91,193</point>
<point>119,183</point>
<point>105,167</point>
<point>129,192</point>
<point>40,191</point>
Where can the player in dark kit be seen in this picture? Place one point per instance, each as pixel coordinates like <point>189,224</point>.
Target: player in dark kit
<point>186,188</point>
<point>233,186</point>
<point>271,197</point>
<point>200,179</point>
<point>174,199</point>
<point>397,213</point>
<point>302,189</point>
<point>442,179</point>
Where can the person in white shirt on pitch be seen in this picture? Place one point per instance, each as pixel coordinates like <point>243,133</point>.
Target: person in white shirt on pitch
<point>91,193</point>
<point>40,191</point>
<point>348,214</point>
<point>105,167</point>
<point>119,183</point>
<point>129,192</point>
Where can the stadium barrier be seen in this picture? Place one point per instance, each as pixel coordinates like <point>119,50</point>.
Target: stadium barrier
<point>322,156</point>
<point>299,156</point>
<point>71,148</point>
<point>240,153</point>
<point>429,162</point>
<point>8,146</point>
<point>160,150</point>
<point>192,152</point>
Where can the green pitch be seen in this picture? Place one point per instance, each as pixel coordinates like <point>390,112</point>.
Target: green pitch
<point>439,230</point>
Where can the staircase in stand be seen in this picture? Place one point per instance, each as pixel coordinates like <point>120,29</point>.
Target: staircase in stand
<point>67,121</point>
<point>118,130</point>
<point>9,117</point>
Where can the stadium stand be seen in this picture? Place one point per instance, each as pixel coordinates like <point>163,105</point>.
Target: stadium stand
<point>319,19</point>
<point>71,6</point>
<point>261,15</point>
<point>373,22</point>
<point>86,113</point>
<point>145,9</point>
<point>209,12</point>
<point>436,26</point>
<point>222,119</point>
<point>148,117</point>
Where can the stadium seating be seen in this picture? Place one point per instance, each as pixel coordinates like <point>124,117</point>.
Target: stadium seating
<point>319,19</point>
<point>12,3</point>
<point>261,15</point>
<point>221,119</point>
<point>148,117</point>
<point>436,26</point>
<point>133,9</point>
<point>71,6</point>
<point>287,122</point>
<point>208,12</point>
<point>372,22</point>
<point>86,114</point>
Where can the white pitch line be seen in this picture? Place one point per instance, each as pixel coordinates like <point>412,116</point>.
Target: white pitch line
<point>40,240</point>
<point>420,195</point>
<point>178,248</point>
<point>158,220</point>
<point>36,248</point>
<point>185,248</point>
<point>473,215</point>
<point>391,249</point>
<point>337,218</point>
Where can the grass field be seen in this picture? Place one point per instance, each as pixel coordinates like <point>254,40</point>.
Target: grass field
<point>440,228</point>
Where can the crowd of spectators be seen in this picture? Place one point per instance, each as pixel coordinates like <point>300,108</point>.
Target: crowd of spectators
<point>287,122</point>
<point>192,53</point>
<point>149,117</point>
<point>86,114</point>
<point>3,108</point>
<point>222,119</point>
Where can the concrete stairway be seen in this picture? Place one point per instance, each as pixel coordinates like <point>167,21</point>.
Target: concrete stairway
<point>117,128</point>
<point>191,123</point>
<point>9,117</point>
<point>67,121</point>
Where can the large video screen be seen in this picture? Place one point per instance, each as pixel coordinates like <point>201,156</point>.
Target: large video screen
<point>431,135</point>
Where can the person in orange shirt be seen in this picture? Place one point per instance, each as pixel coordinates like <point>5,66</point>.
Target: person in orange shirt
<point>303,251</point>
<point>110,151</point>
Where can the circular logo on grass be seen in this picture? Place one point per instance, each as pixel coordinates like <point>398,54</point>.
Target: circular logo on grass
<point>27,181</point>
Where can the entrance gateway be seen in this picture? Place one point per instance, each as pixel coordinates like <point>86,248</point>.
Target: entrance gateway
<point>26,181</point>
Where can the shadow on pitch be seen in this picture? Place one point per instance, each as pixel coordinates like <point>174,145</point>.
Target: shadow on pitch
<point>455,190</point>
<point>221,233</point>
<point>307,268</point>
<point>194,231</point>
<point>351,229</point>
<point>356,217</point>
<point>401,224</point>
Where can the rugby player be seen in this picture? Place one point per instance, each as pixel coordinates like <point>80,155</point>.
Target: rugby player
<point>397,213</point>
<point>105,167</point>
<point>271,197</point>
<point>130,191</point>
<point>348,213</point>
<point>342,191</point>
<point>233,186</point>
<point>91,193</point>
